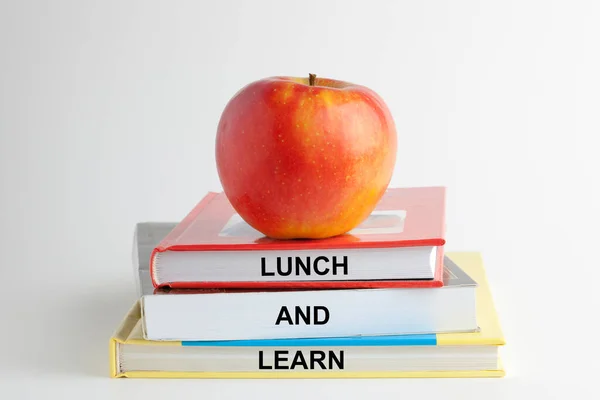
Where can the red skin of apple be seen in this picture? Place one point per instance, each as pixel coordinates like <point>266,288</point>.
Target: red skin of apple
<point>305,162</point>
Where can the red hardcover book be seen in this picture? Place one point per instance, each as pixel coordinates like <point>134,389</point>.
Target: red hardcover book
<point>401,244</point>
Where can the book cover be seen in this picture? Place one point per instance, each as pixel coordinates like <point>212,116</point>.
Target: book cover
<point>404,217</point>
<point>489,336</point>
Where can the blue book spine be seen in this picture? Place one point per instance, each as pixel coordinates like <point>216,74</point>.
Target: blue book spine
<point>353,341</point>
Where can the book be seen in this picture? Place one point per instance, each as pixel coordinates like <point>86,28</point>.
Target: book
<point>148,234</point>
<point>401,244</point>
<point>230,314</point>
<point>473,354</point>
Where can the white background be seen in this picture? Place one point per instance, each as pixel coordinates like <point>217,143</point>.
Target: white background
<point>108,112</point>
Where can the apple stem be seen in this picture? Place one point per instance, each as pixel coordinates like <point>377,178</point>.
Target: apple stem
<point>311,79</point>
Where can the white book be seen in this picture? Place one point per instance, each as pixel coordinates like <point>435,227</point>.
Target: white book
<point>188,315</point>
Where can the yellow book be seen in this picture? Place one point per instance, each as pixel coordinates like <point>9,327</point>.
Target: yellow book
<point>474,354</point>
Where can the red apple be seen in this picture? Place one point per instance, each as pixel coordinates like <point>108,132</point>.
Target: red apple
<point>305,157</point>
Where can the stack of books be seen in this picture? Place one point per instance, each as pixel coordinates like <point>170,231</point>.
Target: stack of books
<point>217,299</point>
